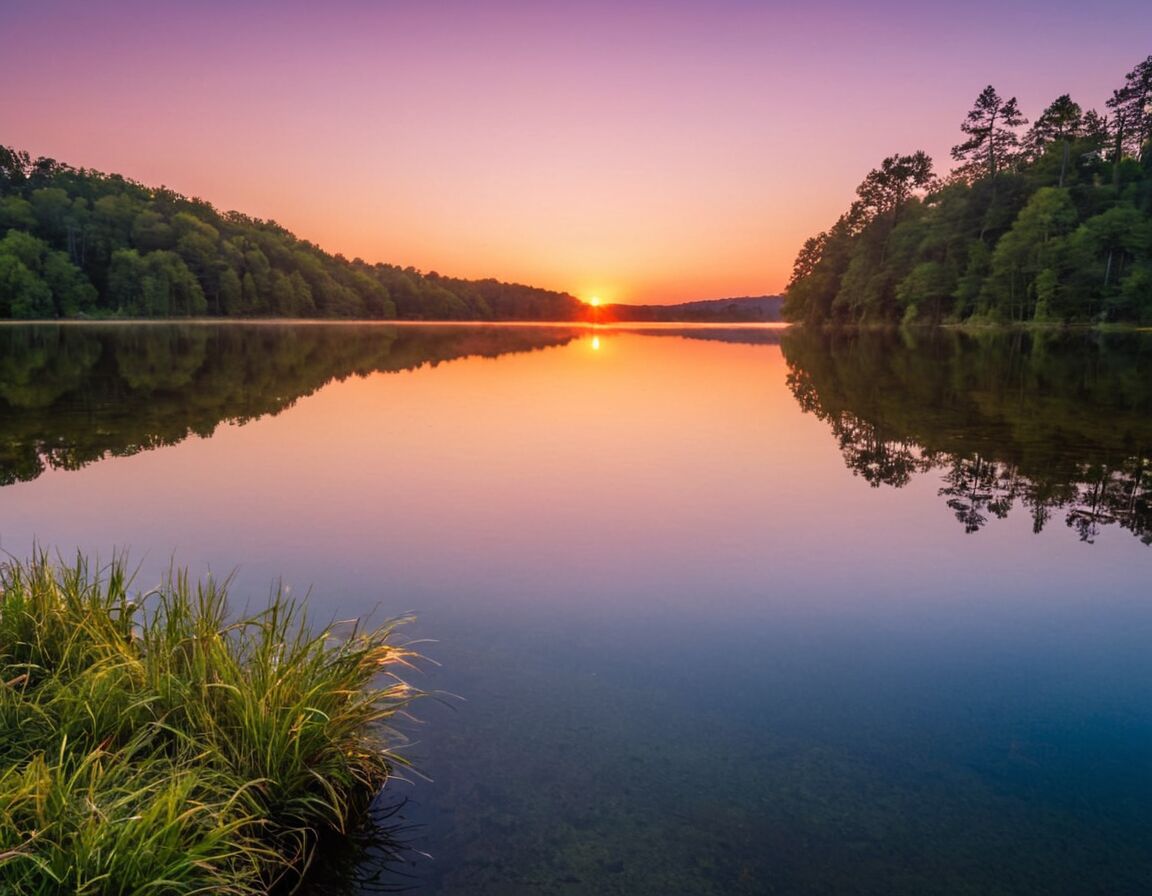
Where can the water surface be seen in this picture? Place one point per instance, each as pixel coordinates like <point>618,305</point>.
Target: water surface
<point>725,611</point>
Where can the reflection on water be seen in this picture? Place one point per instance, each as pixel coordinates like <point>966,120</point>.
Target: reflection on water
<point>694,653</point>
<point>70,394</point>
<point>1057,423</point>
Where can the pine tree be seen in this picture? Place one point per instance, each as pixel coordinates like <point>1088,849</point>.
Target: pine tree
<point>1060,122</point>
<point>992,142</point>
<point>1131,107</point>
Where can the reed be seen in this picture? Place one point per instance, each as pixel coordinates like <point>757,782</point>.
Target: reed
<point>159,744</point>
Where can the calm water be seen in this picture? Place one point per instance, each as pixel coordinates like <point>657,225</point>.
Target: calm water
<point>724,611</point>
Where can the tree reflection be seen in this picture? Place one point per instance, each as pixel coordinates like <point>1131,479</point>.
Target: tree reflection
<point>976,486</point>
<point>1057,423</point>
<point>71,395</point>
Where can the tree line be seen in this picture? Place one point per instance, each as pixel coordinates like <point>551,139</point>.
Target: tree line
<point>1049,222</point>
<point>79,243</point>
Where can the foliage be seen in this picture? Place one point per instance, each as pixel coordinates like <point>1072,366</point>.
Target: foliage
<point>1056,226</point>
<point>37,281</point>
<point>157,745</point>
<point>1131,107</point>
<point>110,247</point>
<point>992,142</point>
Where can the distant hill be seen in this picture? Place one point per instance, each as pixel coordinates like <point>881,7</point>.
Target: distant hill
<point>746,309</point>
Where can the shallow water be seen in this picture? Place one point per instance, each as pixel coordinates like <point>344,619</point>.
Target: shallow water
<point>715,610</point>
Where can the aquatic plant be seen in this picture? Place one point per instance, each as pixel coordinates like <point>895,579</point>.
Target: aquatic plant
<point>159,744</point>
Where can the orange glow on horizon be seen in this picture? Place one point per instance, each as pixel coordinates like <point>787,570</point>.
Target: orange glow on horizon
<point>468,165</point>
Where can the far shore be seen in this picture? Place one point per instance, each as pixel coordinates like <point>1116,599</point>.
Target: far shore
<point>302,321</point>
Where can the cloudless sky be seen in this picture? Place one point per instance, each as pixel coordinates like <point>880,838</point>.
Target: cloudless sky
<point>646,152</point>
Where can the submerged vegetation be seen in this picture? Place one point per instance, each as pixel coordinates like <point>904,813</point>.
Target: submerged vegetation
<point>76,242</point>
<point>159,745</point>
<point>1052,223</point>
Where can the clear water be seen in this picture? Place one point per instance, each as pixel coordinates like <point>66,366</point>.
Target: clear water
<point>715,611</point>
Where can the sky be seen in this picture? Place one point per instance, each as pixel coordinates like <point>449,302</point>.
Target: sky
<point>636,152</point>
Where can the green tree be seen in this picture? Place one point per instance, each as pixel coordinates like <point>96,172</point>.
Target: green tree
<point>72,293</point>
<point>151,231</point>
<point>808,258</point>
<point>1131,107</point>
<point>302,304</point>
<point>810,297</point>
<point>158,284</point>
<point>1103,248</point>
<point>991,129</point>
<point>1136,293</point>
<point>42,282</point>
<point>231,292</point>
<point>50,207</point>
<point>1060,123</point>
<point>1028,249</point>
<point>887,189</point>
<point>22,293</point>
<point>926,292</point>
<point>16,214</point>
<point>14,168</point>
<point>125,275</point>
<point>1095,129</point>
<point>971,282</point>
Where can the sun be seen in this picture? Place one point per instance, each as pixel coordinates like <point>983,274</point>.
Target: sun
<point>594,301</point>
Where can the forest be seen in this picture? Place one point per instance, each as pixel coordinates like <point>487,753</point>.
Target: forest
<point>80,243</point>
<point>1041,221</point>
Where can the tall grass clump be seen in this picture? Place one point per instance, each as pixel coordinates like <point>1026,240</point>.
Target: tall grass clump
<point>158,744</point>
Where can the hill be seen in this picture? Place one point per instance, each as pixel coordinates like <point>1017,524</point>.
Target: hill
<point>79,243</point>
<point>737,310</point>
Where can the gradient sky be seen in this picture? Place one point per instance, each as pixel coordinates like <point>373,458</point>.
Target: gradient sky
<point>642,152</point>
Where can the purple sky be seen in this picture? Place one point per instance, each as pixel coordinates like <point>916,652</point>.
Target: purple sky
<point>634,151</point>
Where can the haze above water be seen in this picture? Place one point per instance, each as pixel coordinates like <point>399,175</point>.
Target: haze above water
<point>726,610</point>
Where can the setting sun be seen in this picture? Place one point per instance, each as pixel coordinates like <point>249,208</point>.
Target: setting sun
<point>594,301</point>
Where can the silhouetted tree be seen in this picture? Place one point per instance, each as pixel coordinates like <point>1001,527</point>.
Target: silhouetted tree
<point>991,129</point>
<point>1060,123</point>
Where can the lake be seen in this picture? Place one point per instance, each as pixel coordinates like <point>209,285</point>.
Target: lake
<point>708,610</point>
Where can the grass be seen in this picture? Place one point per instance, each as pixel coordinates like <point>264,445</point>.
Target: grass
<point>159,745</point>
